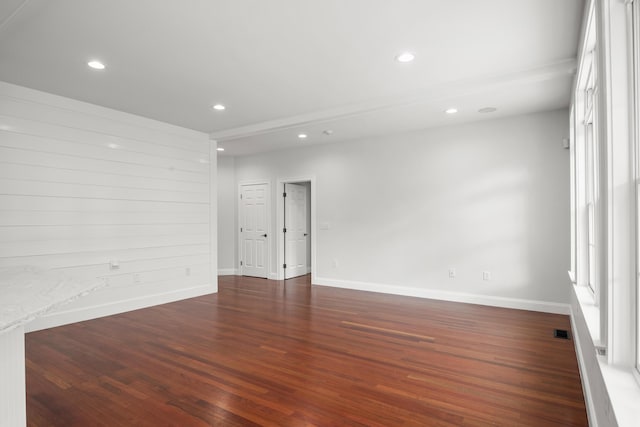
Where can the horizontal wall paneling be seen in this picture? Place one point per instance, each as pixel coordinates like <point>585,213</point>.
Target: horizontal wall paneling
<point>82,186</point>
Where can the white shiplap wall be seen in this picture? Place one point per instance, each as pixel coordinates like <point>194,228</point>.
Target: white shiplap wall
<point>82,185</point>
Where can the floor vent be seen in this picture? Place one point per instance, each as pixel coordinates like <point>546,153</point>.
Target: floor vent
<point>561,333</point>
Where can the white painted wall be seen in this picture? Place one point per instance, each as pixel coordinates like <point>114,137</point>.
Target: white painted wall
<point>13,410</point>
<point>82,185</point>
<point>402,209</point>
<point>227,216</point>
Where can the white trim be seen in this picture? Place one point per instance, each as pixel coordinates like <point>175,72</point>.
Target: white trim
<point>254,182</point>
<point>269,245</point>
<point>228,272</point>
<point>64,317</point>
<point>624,393</point>
<point>493,301</point>
<point>584,373</point>
<point>449,90</point>
<point>573,204</point>
<point>590,313</point>
<point>280,220</point>
<point>619,294</point>
<point>213,212</point>
<point>634,109</point>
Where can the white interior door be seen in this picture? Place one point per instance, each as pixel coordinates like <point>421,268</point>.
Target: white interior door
<point>253,230</point>
<point>296,235</point>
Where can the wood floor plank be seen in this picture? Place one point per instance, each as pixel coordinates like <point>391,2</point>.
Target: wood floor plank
<point>284,353</point>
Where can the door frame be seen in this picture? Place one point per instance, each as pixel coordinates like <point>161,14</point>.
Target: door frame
<point>280,224</point>
<point>270,274</point>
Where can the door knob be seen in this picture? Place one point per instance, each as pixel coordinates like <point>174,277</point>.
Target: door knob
<point>305,234</point>
<point>264,235</point>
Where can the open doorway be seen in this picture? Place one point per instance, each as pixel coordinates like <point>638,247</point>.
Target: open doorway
<point>296,224</point>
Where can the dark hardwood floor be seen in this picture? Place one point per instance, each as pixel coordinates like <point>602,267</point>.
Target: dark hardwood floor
<point>286,354</point>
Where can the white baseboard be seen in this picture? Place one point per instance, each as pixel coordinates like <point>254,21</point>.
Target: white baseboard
<point>64,317</point>
<point>516,303</point>
<point>228,272</point>
<point>584,373</point>
<point>238,272</point>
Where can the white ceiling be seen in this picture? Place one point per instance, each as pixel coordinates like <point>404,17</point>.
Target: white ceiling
<point>288,66</point>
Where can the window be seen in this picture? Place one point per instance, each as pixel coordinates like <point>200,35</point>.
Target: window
<point>588,146</point>
<point>591,169</point>
<point>606,168</point>
<point>589,162</point>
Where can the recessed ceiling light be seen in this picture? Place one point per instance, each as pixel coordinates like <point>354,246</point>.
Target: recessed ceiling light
<point>405,57</point>
<point>96,65</point>
<point>112,145</point>
<point>219,107</point>
<point>487,110</point>
<point>220,149</point>
<point>451,110</point>
<point>302,135</point>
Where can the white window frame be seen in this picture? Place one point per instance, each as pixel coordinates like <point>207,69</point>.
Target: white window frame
<point>587,156</point>
<point>612,313</point>
<point>574,189</point>
<point>591,140</point>
<point>635,129</point>
<point>590,208</point>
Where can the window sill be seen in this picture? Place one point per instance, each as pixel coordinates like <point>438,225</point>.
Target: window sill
<point>624,393</point>
<point>621,383</point>
<point>591,313</point>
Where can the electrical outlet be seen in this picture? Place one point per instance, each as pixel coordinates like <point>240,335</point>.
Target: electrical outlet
<point>187,271</point>
<point>452,273</point>
<point>486,275</point>
<point>136,278</point>
<point>335,263</point>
